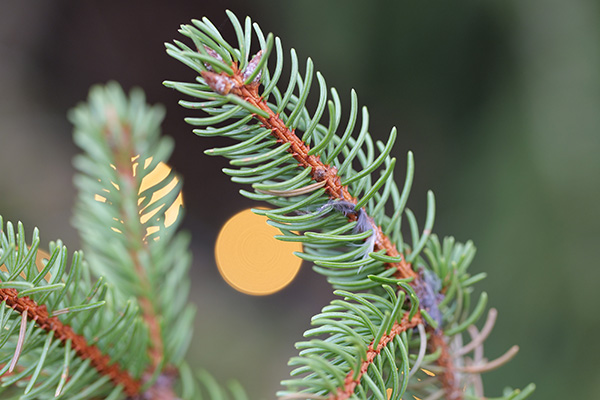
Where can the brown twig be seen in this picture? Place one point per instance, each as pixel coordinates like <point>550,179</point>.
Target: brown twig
<point>30,310</point>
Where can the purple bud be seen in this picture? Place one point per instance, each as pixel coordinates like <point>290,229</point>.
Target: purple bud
<point>427,289</point>
<point>251,67</point>
<point>214,55</point>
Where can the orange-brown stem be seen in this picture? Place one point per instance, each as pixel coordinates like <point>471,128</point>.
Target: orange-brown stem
<point>101,362</point>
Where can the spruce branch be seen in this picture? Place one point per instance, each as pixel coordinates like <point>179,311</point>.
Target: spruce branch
<point>326,176</point>
<point>53,322</point>
<point>31,311</point>
<point>351,381</point>
<point>338,213</point>
<point>125,234</point>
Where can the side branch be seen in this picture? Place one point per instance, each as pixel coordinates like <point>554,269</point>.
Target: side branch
<point>374,349</point>
<point>101,362</point>
<point>122,146</point>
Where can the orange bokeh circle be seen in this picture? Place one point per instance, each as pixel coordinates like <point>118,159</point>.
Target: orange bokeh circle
<point>250,259</point>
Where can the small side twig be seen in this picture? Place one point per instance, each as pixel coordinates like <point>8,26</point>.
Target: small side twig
<point>350,382</point>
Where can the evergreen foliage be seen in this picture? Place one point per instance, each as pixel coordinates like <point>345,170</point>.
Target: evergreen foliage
<point>116,325</point>
<point>125,235</point>
<point>46,313</point>
<point>334,199</point>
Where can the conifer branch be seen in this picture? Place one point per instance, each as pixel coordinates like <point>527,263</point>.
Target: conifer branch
<point>224,83</point>
<point>307,183</point>
<point>31,311</point>
<point>74,339</point>
<point>448,377</point>
<point>374,349</point>
<point>118,136</point>
<point>122,218</point>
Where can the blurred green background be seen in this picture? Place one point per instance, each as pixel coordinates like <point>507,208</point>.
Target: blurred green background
<point>499,100</point>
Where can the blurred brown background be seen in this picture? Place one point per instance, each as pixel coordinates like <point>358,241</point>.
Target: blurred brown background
<point>499,100</point>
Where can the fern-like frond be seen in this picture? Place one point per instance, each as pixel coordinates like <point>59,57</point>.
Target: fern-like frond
<point>122,218</point>
<point>63,333</point>
<point>331,187</point>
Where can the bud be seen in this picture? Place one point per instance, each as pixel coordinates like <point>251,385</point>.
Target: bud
<point>251,67</point>
<point>214,55</point>
<point>221,84</point>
